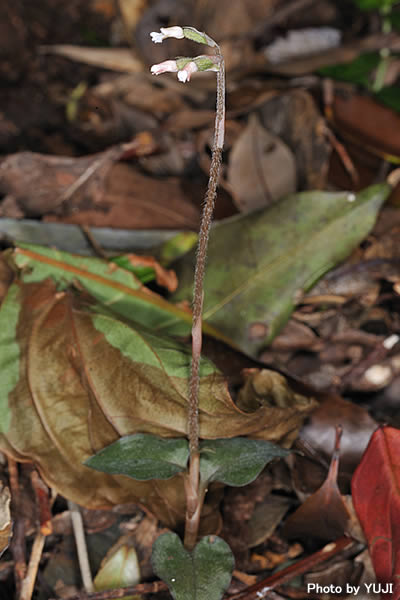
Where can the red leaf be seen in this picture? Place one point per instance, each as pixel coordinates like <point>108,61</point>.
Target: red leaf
<point>376,498</point>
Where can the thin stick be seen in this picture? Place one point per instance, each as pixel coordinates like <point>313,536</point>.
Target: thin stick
<point>193,506</point>
<point>29,582</point>
<point>18,540</point>
<point>83,558</point>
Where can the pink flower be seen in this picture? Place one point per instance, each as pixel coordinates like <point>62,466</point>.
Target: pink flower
<point>168,66</point>
<point>185,73</point>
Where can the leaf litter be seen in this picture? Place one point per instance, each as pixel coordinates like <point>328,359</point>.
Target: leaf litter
<point>152,141</point>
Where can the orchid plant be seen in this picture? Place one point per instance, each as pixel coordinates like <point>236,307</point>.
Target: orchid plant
<point>203,569</point>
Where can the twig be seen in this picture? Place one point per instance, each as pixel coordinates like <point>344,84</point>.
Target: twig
<point>93,242</point>
<point>79,534</point>
<point>141,588</point>
<point>262,588</point>
<point>18,548</point>
<point>193,509</point>
<point>33,566</point>
<point>43,503</point>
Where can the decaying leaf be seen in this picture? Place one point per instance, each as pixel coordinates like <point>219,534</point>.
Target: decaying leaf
<point>260,265</point>
<point>261,168</point>
<point>295,118</point>
<point>78,379</point>
<point>116,59</point>
<point>42,184</point>
<point>266,517</point>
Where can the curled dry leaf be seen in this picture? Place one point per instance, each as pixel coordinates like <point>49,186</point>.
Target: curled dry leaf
<point>318,434</point>
<point>324,515</point>
<point>77,379</point>
<point>164,277</point>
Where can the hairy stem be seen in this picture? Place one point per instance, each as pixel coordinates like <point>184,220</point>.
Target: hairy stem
<point>194,499</point>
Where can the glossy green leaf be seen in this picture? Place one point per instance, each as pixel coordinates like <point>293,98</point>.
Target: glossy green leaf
<point>142,456</point>
<point>203,574</point>
<point>260,265</point>
<point>236,461</point>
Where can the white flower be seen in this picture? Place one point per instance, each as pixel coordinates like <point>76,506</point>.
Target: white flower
<point>185,73</point>
<point>167,32</point>
<point>168,66</point>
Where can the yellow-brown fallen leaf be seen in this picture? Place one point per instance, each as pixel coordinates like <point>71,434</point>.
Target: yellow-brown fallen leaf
<point>75,379</point>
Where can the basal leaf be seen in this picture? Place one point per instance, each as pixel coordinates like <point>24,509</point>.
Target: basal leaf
<point>260,265</point>
<point>142,457</point>
<point>203,574</point>
<point>236,461</point>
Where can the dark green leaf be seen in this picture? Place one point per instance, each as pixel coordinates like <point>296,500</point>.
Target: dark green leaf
<point>203,574</point>
<point>142,456</point>
<point>390,95</point>
<point>355,71</point>
<point>374,4</point>
<point>236,461</point>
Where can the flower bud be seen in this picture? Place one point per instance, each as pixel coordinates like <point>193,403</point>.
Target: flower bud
<point>168,66</point>
<point>185,73</point>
